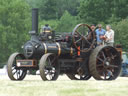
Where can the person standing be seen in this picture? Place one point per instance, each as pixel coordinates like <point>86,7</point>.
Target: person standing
<point>109,36</point>
<point>100,32</point>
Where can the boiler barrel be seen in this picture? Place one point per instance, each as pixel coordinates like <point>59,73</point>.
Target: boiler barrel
<point>56,49</point>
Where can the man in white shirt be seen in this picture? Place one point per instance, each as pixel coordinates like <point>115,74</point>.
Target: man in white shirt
<point>109,36</point>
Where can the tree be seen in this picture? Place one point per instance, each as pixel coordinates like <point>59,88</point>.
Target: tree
<point>69,5</point>
<point>94,11</point>
<point>54,9</point>
<point>48,10</point>
<point>14,26</point>
<point>121,35</point>
<point>35,3</point>
<point>67,23</point>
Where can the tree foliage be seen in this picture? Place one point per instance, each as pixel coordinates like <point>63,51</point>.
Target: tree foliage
<point>67,23</point>
<point>54,9</point>
<point>48,10</point>
<point>14,25</point>
<point>121,33</point>
<point>106,11</point>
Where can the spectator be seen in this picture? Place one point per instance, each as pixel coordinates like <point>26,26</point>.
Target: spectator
<point>109,36</point>
<point>100,32</point>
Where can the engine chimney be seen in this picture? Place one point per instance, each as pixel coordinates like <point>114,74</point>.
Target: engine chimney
<point>35,20</point>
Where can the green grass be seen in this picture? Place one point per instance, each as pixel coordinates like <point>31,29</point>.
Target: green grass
<point>34,86</point>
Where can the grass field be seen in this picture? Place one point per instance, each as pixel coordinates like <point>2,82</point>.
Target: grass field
<point>34,86</point>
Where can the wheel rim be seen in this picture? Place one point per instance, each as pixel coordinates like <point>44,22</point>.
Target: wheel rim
<point>107,64</point>
<point>80,37</point>
<point>14,72</point>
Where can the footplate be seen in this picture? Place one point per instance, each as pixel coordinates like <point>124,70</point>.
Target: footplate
<point>26,63</point>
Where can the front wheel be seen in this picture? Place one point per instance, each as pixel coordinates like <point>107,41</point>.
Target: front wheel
<point>49,68</point>
<point>13,71</point>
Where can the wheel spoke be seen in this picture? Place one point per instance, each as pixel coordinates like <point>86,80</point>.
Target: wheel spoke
<point>17,74</point>
<point>14,73</point>
<point>113,66</point>
<point>79,40</point>
<point>13,68</point>
<point>99,65</point>
<point>86,40</point>
<point>103,55</point>
<point>50,76</point>
<point>49,62</point>
<point>107,52</point>
<point>20,72</point>
<point>100,59</point>
<point>78,33</point>
<point>113,56</point>
<point>53,60</point>
<point>105,75</point>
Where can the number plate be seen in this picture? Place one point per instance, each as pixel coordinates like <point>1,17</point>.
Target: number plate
<point>26,63</point>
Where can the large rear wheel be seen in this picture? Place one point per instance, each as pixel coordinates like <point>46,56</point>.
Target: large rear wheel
<point>105,63</point>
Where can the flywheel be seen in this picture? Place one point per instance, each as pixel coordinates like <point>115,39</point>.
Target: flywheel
<point>83,38</point>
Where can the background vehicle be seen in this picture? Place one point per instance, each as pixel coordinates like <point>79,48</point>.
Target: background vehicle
<point>124,72</point>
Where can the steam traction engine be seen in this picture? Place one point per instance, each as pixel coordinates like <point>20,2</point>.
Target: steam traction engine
<point>75,54</point>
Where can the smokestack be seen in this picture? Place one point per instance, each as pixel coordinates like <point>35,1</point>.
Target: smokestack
<point>35,20</point>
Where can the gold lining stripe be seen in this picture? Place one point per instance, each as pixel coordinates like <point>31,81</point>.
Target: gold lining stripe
<point>59,48</point>
<point>71,51</point>
<point>47,31</point>
<point>45,47</point>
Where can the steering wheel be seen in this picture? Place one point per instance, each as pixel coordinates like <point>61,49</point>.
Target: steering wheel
<point>83,37</point>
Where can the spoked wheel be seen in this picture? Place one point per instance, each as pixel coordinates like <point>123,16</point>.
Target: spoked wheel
<point>78,77</point>
<point>105,63</point>
<point>83,38</point>
<point>14,72</point>
<point>49,68</point>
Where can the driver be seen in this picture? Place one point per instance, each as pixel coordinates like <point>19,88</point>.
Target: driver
<point>46,33</point>
<point>46,28</point>
<point>93,27</point>
<point>90,35</point>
